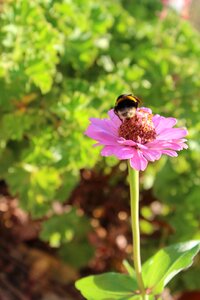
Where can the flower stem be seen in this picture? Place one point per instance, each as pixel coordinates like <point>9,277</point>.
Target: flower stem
<point>134,194</point>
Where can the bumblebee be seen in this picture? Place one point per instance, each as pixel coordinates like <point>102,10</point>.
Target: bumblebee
<point>126,105</point>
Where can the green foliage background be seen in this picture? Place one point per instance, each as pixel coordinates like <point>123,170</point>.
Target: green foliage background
<point>65,61</point>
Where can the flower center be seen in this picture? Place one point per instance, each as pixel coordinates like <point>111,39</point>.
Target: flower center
<point>139,129</point>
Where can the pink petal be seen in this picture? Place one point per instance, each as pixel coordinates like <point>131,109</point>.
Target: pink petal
<point>184,146</point>
<point>162,123</point>
<point>104,125</point>
<point>138,161</point>
<point>180,140</point>
<point>156,145</point>
<point>156,120</point>
<point>124,152</point>
<point>124,142</point>
<point>102,137</point>
<point>107,151</point>
<point>172,133</point>
<point>114,118</point>
<point>151,155</point>
<point>181,143</point>
<point>170,145</point>
<point>130,143</point>
<point>170,153</point>
<point>176,145</point>
<point>118,151</point>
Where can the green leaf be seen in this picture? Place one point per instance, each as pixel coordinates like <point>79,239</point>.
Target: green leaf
<point>168,262</point>
<point>64,228</point>
<point>70,253</point>
<point>36,187</point>
<point>129,268</point>
<point>108,286</point>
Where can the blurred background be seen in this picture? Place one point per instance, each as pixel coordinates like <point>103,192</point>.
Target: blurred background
<point>64,210</point>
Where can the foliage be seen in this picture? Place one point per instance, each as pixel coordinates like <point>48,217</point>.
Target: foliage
<point>65,61</point>
<point>67,232</point>
<point>157,272</point>
<point>108,286</point>
<point>168,262</point>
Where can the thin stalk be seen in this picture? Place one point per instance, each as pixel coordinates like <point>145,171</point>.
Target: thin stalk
<point>134,195</point>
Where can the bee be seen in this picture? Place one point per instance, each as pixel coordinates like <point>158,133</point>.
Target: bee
<point>125,106</point>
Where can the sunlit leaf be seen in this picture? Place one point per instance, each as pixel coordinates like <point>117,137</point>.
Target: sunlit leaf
<point>108,286</point>
<point>167,263</point>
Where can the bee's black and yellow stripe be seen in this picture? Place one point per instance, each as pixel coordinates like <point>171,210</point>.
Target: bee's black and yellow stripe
<point>127,97</point>
<point>126,101</point>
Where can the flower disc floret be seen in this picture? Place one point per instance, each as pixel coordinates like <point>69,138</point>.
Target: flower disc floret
<point>139,129</point>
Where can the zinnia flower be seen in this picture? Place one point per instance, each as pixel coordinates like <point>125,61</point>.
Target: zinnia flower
<point>140,139</point>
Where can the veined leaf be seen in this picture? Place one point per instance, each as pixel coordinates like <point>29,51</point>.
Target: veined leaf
<point>108,286</point>
<point>168,262</point>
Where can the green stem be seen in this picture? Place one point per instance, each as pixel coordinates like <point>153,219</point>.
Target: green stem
<point>134,193</point>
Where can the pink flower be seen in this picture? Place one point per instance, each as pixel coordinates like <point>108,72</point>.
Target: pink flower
<point>143,138</point>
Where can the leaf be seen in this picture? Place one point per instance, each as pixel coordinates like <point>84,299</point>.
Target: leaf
<point>168,262</point>
<point>68,231</point>
<point>64,228</point>
<point>70,253</point>
<point>129,268</point>
<point>38,43</point>
<point>36,187</point>
<point>108,286</point>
